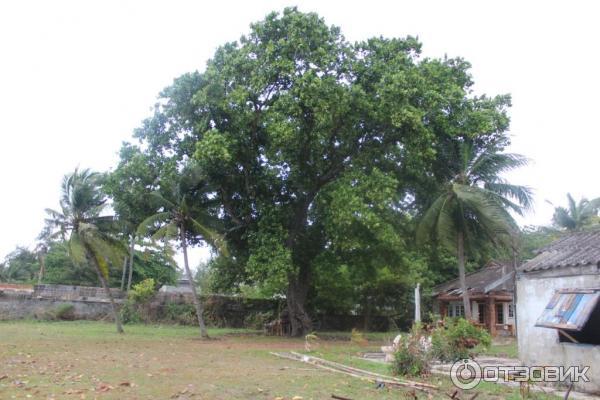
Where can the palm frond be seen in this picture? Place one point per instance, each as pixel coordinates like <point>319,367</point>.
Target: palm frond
<point>563,218</point>
<point>152,222</point>
<point>490,214</point>
<point>506,191</point>
<point>438,222</point>
<point>211,236</point>
<point>490,165</point>
<point>162,200</point>
<point>166,232</point>
<point>77,251</point>
<point>428,222</point>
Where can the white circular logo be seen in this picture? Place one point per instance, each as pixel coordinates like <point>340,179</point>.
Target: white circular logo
<point>465,374</point>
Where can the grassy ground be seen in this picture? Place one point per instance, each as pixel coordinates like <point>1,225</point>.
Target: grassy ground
<point>88,360</point>
<point>507,349</point>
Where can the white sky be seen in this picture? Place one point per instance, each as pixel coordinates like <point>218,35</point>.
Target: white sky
<point>76,77</point>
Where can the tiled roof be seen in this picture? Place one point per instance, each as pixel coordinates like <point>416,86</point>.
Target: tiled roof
<point>479,281</point>
<point>580,248</point>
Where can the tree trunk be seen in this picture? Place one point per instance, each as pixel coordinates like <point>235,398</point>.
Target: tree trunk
<point>196,300</point>
<point>104,284</point>
<point>299,283</point>
<point>460,246</point>
<point>300,321</point>
<point>131,251</point>
<point>124,273</point>
<point>42,259</point>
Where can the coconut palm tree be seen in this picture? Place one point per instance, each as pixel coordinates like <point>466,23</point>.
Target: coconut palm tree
<point>88,233</point>
<point>183,215</point>
<point>475,204</point>
<point>577,215</point>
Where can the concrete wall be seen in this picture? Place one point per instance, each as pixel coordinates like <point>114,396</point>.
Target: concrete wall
<point>70,292</point>
<point>27,307</point>
<point>540,346</point>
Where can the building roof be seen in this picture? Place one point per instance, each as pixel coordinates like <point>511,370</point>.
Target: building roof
<point>571,250</point>
<point>495,276</point>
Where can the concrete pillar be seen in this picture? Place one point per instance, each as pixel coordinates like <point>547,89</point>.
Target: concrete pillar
<point>418,303</point>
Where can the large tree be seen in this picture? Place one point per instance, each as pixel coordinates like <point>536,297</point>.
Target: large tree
<point>281,118</point>
<point>128,186</point>
<point>20,265</point>
<point>475,204</point>
<point>90,234</point>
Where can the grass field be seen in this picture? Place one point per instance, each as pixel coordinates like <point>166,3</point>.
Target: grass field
<point>88,360</point>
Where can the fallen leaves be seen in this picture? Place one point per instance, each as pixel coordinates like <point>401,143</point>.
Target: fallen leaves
<point>104,387</point>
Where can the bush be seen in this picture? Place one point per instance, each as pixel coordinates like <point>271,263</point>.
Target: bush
<point>413,356</point>
<point>453,340</point>
<point>142,292</point>
<point>135,309</point>
<point>358,338</point>
<point>130,313</point>
<point>65,312</point>
<point>184,314</point>
<point>257,320</point>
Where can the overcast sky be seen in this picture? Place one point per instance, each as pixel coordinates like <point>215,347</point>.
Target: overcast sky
<point>76,77</point>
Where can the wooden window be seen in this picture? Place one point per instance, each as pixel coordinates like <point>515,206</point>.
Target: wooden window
<point>500,313</point>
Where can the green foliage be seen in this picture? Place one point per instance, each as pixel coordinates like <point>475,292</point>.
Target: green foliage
<point>358,338</point>
<point>533,238</point>
<point>156,264</point>
<point>315,154</point>
<point>130,313</point>
<point>91,235</point>
<point>257,320</point>
<point>21,265</point>
<point>135,309</point>
<point>270,261</point>
<point>475,202</point>
<point>128,186</point>
<point>453,340</point>
<point>412,358</point>
<point>65,312</point>
<point>142,292</point>
<point>183,314</point>
<point>577,215</point>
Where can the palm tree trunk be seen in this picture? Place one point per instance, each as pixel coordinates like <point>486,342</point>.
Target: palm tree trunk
<point>460,247</point>
<point>131,250</point>
<point>124,273</point>
<point>42,259</point>
<point>195,299</point>
<point>113,306</point>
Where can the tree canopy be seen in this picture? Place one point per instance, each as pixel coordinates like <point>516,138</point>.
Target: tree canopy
<point>319,150</point>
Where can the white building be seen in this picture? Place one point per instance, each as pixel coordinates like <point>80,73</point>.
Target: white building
<point>558,318</point>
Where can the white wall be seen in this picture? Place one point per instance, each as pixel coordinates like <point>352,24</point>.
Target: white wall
<point>540,346</point>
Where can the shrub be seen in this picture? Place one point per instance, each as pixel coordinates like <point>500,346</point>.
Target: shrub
<point>257,320</point>
<point>413,356</point>
<point>142,292</point>
<point>65,312</point>
<point>453,340</point>
<point>130,313</point>
<point>135,309</point>
<point>357,337</point>
<point>184,314</point>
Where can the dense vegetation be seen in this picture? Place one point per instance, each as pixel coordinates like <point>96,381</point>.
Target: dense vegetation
<point>308,163</point>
